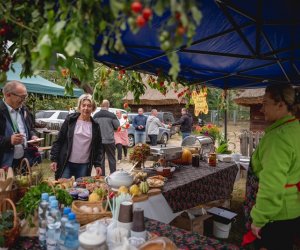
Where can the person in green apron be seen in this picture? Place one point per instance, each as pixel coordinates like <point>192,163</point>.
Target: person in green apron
<point>272,205</point>
<point>14,128</point>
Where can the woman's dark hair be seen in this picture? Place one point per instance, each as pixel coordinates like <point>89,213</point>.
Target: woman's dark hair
<point>286,93</point>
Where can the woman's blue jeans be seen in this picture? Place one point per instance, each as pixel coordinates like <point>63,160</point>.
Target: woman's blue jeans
<point>75,169</point>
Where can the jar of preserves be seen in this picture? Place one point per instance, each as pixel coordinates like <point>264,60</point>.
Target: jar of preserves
<point>212,159</point>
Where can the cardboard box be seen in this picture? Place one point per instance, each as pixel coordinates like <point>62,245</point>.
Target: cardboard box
<point>190,222</point>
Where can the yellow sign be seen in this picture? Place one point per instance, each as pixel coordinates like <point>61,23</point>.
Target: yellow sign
<point>200,102</point>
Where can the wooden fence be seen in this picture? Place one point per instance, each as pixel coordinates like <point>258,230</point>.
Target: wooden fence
<point>248,141</point>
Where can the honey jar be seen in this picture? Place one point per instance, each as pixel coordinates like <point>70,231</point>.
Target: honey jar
<point>212,159</point>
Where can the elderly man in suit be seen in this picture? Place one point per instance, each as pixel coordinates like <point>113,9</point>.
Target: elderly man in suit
<point>15,130</point>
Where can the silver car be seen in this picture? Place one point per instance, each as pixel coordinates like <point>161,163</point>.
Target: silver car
<point>163,136</point>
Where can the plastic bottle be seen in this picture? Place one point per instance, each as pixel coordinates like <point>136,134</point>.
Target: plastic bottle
<point>53,226</point>
<point>42,213</point>
<point>64,220</point>
<point>51,198</point>
<point>72,231</point>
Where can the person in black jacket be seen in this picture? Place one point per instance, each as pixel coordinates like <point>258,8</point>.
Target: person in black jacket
<point>15,129</point>
<point>185,122</point>
<point>78,146</point>
<point>108,123</point>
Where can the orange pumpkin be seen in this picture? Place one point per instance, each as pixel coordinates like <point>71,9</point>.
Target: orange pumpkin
<point>186,156</point>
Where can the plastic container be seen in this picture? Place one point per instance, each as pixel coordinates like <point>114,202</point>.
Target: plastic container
<point>42,213</point>
<point>72,232</point>
<point>64,221</point>
<point>221,230</point>
<point>53,226</point>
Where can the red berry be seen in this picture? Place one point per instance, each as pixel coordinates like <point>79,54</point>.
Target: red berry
<point>147,13</point>
<point>161,84</point>
<point>140,21</point>
<point>177,16</point>
<point>122,71</point>
<point>180,30</point>
<point>136,7</point>
<point>2,32</point>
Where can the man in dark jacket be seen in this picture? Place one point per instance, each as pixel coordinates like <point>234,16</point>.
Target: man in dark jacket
<point>185,122</point>
<point>14,128</point>
<point>108,123</point>
<point>139,124</point>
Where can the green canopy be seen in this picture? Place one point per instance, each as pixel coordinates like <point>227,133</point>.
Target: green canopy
<point>38,84</point>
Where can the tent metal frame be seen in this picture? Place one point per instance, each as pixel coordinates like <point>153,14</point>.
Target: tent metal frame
<point>272,57</point>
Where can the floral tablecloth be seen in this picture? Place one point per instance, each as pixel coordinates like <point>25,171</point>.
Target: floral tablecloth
<point>191,186</point>
<point>183,239</point>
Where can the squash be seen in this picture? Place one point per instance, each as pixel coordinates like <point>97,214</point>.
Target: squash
<point>186,156</point>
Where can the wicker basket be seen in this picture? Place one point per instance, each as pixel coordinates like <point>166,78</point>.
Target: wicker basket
<point>85,218</point>
<point>12,234</point>
<point>11,194</point>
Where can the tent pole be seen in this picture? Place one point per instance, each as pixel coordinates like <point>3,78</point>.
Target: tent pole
<point>225,114</point>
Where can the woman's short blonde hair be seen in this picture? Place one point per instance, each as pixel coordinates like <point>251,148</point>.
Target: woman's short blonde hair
<point>86,97</point>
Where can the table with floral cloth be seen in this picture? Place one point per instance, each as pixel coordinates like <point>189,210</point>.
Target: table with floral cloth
<point>183,239</point>
<point>192,186</point>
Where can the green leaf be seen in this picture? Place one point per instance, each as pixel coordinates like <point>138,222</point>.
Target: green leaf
<point>184,19</point>
<point>197,15</point>
<point>73,46</point>
<point>102,25</point>
<point>123,26</point>
<point>58,27</point>
<point>173,6</point>
<point>45,51</point>
<point>159,8</point>
<point>35,14</point>
<point>116,6</point>
<point>119,44</point>
<point>175,66</point>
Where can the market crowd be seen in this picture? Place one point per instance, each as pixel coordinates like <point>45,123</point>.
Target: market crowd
<point>272,206</point>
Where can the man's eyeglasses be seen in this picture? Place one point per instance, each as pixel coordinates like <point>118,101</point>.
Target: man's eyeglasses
<point>23,97</point>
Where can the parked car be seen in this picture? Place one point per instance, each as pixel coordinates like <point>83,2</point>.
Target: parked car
<point>163,136</point>
<point>51,116</point>
<point>113,110</point>
<point>166,118</point>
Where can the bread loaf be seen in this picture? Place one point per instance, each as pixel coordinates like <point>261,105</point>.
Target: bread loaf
<point>161,243</point>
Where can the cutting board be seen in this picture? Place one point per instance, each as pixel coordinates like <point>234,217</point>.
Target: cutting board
<point>154,191</point>
<point>140,198</point>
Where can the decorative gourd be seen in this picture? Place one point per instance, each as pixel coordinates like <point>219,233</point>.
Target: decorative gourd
<point>135,190</point>
<point>186,156</point>
<point>144,187</point>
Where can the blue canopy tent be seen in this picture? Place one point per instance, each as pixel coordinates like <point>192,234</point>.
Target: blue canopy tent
<point>239,44</point>
<point>38,84</point>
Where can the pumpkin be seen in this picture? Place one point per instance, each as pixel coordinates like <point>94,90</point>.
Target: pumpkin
<point>186,156</point>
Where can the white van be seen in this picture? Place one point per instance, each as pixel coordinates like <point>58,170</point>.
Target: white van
<point>113,110</point>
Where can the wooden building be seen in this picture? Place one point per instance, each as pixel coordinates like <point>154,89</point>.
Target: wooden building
<point>253,98</point>
<point>153,99</point>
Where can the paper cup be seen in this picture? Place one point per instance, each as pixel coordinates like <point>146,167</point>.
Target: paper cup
<point>125,213</point>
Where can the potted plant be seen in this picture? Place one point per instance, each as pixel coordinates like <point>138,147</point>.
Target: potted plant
<point>139,154</point>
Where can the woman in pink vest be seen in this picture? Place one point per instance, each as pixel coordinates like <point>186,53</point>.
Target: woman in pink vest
<point>121,135</point>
